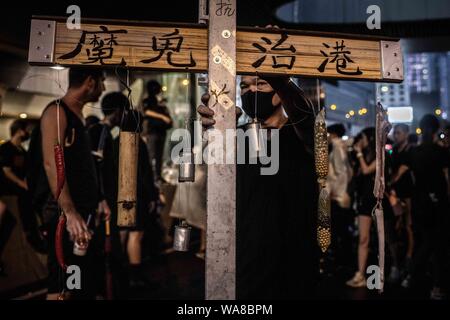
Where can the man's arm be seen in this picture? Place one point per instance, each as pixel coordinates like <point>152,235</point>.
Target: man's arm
<point>299,109</point>
<point>400,172</point>
<point>15,179</point>
<point>159,116</point>
<point>49,131</point>
<point>6,164</point>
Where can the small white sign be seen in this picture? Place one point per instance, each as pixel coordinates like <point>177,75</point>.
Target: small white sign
<point>400,114</point>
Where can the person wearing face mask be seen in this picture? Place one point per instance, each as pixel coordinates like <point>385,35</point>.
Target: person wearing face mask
<point>157,121</point>
<point>276,247</point>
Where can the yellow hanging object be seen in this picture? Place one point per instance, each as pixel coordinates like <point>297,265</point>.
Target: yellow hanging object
<point>321,160</point>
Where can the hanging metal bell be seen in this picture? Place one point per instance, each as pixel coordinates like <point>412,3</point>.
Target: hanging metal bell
<point>255,141</point>
<point>182,237</point>
<point>187,168</point>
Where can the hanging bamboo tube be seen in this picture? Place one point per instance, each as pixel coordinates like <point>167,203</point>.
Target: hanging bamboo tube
<point>128,164</point>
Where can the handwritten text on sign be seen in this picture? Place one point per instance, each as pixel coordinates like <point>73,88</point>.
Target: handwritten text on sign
<point>186,48</point>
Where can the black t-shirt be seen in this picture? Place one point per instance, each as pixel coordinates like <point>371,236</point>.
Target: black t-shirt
<point>107,167</point>
<point>403,187</point>
<point>427,163</point>
<point>15,158</point>
<point>80,171</point>
<point>276,253</point>
<point>153,125</point>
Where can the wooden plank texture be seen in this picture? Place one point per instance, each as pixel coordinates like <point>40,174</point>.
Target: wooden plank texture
<point>185,48</point>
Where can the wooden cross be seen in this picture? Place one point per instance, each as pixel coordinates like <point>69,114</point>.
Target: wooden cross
<point>223,51</point>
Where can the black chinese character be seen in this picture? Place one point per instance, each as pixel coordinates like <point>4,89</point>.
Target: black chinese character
<point>224,8</point>
<point>340,57</point>
<point>99,46</point>
<point>276,59</point>
<point>171,43</point>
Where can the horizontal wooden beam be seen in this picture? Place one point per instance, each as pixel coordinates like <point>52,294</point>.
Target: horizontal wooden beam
<point>179,47</point>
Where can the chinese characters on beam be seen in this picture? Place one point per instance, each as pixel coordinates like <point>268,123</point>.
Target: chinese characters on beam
<point>169,48</point>
<point>185,48</point>
<point>277,60</point>
<point>224,8</point>
<point>99,46</point>
<point>340,58</point>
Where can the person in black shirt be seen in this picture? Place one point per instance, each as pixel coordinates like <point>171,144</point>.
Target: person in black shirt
<point>13,160</point>
<point>79,197</point>
<point>13,164</point>
<point>103,148</point>
<point>105,153</point>
<point>429,164</point>
<point>276,246</point>
<point>156,123</point>
<point>12,173</point>
<point>402,187</point>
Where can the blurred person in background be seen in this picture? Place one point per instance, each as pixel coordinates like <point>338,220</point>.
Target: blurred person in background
<point>429,163</point>
<point>13,160</point>
<point>401,193</point>
<point>364,147</point>
<point>106,161</point>
<point>340,174</point>
<point>413,139</point>
<point>157,122</point>
<point>365,169</point>
<point>13,164</point>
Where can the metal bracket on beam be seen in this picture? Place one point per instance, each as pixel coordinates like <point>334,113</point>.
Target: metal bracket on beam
<point>391,60</point>
<point>42,41</point>
<point>203,80</point>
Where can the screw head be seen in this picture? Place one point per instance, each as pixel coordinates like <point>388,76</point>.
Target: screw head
<point>217,59</point>
<point>226,34</point>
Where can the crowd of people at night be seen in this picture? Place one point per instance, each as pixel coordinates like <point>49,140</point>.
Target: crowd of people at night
<point>273,213</point>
